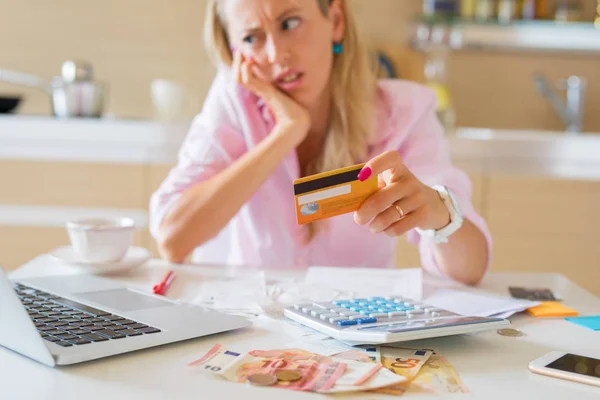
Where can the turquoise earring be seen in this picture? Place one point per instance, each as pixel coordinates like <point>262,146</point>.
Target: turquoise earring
<point>337,48</point>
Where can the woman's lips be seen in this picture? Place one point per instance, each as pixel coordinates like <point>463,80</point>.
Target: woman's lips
<point>290,81</point>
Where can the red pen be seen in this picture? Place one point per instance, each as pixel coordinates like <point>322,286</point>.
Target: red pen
<point>162,287</point>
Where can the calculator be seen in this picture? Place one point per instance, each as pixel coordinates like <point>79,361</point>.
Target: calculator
<point>377,320</point>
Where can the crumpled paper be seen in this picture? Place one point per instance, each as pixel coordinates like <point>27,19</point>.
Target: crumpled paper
<point>249,294</point>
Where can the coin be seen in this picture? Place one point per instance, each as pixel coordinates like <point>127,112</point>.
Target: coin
<point>288,376</point>
<point>510,332</point>
<point>262,380</point>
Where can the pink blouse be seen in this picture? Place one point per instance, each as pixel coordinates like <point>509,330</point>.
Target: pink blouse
<point>264,231</point>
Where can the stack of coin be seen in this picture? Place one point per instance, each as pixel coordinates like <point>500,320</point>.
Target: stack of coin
<point>270,380</point>
<point>288,376</point>
<point>262,380</point>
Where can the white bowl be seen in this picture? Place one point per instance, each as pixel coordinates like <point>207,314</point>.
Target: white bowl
<point>101,239</point>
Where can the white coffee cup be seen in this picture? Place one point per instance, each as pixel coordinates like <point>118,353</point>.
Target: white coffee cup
<point>101,239</point>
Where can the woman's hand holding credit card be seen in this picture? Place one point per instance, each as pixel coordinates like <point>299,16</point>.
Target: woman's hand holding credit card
<point>382,193</point>
<point>402,202</point>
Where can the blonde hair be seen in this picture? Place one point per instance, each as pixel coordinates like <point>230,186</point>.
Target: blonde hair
<point>353,79</point>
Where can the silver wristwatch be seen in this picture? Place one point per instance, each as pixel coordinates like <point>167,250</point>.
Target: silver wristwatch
<point>456,217</point>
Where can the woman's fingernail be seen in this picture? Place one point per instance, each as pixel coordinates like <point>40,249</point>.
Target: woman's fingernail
<point>364,174</point>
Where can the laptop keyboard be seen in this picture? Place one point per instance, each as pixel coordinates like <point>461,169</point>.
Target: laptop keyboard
<point>69,323</point>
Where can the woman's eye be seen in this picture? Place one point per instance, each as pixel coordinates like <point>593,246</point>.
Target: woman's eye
<point>249,39</point>
<point>291,23</point>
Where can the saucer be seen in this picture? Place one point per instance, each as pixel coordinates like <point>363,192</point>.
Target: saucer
<point>135,257</point>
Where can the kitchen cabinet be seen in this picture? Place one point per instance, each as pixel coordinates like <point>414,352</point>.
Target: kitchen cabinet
<point>19,244</point>
<point>546,225</point>
<point>537,225</point>
<point>63,188</point>
<point>71,184</point>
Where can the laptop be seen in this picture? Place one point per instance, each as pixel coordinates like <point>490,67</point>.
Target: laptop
<point>70,319</point>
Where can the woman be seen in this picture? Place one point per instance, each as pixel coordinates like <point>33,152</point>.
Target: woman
<point>295,95</point>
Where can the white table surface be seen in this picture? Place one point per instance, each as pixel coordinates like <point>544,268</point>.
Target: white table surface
<point>490,365</point>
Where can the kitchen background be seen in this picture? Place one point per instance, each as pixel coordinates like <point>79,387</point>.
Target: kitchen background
<point>45,166</point>
<point>132,42</point>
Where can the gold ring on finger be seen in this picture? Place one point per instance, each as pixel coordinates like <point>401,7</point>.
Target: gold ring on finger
<point>400,211</point>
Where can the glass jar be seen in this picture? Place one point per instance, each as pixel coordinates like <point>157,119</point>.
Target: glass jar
<point>542,9</point>
<point>485,10</point>
<point>528,10</point>
<point>440,9</point>
<point>507,11</point>
<point>568,11</point>
<point>467,9</point>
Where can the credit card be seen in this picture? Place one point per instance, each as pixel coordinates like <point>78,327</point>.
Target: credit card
<point>331,193</point>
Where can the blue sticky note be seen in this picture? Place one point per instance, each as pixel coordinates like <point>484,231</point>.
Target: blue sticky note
<point>592,323</point>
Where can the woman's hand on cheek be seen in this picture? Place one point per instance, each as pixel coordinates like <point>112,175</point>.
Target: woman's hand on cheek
<point>244,74</point>
<point>402,203</point>
<point>288,114</point>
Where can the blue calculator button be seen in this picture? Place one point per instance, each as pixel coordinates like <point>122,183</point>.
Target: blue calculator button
<point>365,312</point>
<point>366,320</point>
<point>376,298</point>
<point>347,322</point>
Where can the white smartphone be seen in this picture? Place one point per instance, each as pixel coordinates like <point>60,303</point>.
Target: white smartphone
<point>568,366</point>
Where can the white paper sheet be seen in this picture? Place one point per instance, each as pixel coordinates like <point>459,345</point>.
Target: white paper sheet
<point>505,315</point>
<point>324,347</point>
<point>364,282</point>
<point>477,303</point>
<point>249,294</point>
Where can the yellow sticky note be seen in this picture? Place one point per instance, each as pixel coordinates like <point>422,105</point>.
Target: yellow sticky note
<point>552,309</point>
